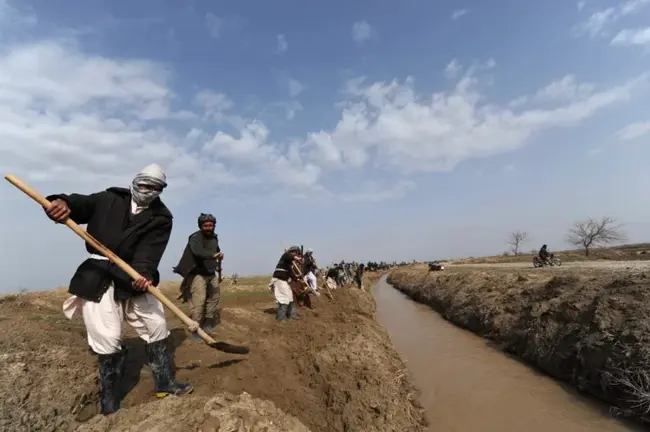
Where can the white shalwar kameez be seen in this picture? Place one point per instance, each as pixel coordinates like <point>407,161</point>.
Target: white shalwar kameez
<point>281,291</point>
<point>103,320</point>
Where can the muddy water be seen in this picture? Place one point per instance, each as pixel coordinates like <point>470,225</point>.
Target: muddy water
<point>466,385</point>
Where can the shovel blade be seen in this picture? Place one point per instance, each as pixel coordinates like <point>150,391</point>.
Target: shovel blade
<point>228,348</point>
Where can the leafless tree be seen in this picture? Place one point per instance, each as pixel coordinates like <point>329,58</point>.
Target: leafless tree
<point>516,239</point>
<point>595,232</point>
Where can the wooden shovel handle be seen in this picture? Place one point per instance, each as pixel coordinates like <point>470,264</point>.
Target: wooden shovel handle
<point>108,254</point>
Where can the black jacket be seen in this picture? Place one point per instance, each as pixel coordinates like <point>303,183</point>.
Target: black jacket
<point>197,258</point>
<point>309,265</point>
<point>284,268</point>
<point>140,240</point>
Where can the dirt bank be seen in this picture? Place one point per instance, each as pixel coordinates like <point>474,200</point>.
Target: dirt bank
<point>588,327</point>
<point>334,370</point>
<point>630,252</point>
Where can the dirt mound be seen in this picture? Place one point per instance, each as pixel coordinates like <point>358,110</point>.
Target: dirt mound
<point>224,412</point>
<point>335,369</point>
<point>590,329</point>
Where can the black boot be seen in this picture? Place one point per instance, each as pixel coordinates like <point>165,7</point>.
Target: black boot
<point>111,369</point>
<point>160,361</point>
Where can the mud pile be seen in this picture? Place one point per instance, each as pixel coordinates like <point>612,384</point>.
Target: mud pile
<point>589,328</point>
<point>333,370</point>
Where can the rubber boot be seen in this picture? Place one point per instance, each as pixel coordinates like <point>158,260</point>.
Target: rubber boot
<point>291,311</point>
<point>281,312</point>
<point>160,361</point>
<point>111,369</point>
<point>212,323</point>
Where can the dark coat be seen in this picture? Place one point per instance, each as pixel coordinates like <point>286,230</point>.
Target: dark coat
<point>189,262</point>
<point>139,240</point>
<point>309,265</point>
<point>284,267</point>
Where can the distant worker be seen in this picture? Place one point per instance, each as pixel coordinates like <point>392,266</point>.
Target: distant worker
<point>309,270</point>
<point>280,284</point>
<point>358,277</point>
<point>544,254</point>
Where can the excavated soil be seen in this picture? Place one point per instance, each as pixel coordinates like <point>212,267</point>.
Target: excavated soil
<point>589,327</point>
<point>333,370</point>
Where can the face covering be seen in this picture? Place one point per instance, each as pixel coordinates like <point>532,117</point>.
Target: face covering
<point>144,197</point>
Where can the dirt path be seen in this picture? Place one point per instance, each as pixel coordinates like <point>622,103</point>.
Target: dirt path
<point>601,265</point>
<point>333,370</point>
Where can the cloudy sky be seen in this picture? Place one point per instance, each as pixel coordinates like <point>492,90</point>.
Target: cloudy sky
<point>365,130</point>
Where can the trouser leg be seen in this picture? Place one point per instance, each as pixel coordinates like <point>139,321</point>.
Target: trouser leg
<point>212,305</point>
<point>281,312</point>
<point>199,293</point>
<point>103,322</point>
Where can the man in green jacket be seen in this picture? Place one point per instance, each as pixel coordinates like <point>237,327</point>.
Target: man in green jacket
<point>198,266</point>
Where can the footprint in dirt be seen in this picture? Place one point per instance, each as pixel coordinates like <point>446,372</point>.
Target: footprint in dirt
<point>85,406</point>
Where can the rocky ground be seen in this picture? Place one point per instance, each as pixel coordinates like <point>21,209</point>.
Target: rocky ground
<point>587,324</point>
<point>334,370</point>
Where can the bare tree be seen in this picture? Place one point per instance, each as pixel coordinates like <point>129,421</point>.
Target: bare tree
<point>516,239</point>
<point>595,232</point>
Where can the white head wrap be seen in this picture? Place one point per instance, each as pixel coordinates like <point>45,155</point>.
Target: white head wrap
<point>151,175</point>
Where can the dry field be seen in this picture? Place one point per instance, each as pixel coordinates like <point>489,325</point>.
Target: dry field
<point>333,370</point>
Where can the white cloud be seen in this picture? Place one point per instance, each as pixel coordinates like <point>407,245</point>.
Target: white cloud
<point>12,18</point>
<point>362,31</point>
<point>459,13</point>
<point>634,130</point>
<point>453,68</point>
<point>581,4</point>
<point>214,24</point>
<point>68,117</point>
<point>629,37</point>
<point>601,19</point>
<point>214,105</point>
<point>292,108</point>
<point>217,25</point>
<point>295,87</point>
<point>565,89</point>
<point>409,132</point>
<point>283,44</point>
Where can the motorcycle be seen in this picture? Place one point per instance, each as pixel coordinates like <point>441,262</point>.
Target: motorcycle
<point>552,261</point>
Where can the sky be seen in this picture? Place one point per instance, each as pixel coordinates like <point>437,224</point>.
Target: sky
<point>371,130</point>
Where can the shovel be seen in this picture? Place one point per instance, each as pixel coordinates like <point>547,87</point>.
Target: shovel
<point>221,346</point>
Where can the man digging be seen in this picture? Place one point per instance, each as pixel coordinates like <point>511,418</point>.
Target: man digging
<point>280,284</point>
<point>136,225</point>
<point>199,268</point>
<point>309,270</point>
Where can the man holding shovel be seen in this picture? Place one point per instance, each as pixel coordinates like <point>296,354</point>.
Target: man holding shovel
<point>135,225</point>
<point>280,284</point>
<point>199,267</point>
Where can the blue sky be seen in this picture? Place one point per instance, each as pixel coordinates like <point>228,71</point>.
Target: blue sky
<point>364,130</point>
